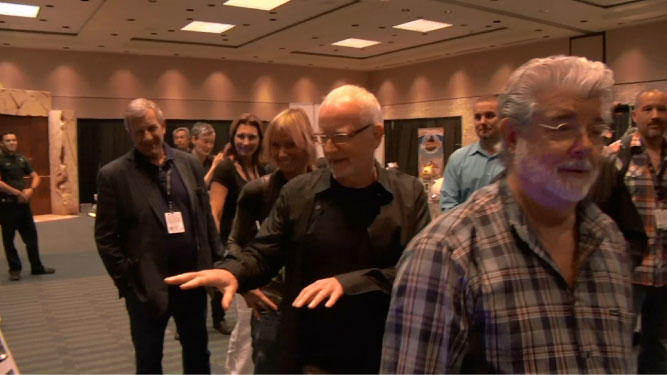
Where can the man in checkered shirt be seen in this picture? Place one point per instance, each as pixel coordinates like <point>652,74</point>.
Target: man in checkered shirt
<point>526,276</point>
<point>646,155</point>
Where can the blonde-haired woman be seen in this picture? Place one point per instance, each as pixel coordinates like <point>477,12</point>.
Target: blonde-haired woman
<point>289,147</point>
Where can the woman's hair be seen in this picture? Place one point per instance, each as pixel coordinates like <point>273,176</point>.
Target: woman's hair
<point>295,123</point>
<point>250,120</point>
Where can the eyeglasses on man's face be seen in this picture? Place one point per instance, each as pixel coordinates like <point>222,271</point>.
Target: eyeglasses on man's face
<point>339,138</point>
<point>568,132</point>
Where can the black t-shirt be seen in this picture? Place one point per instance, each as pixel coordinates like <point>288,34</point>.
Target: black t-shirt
<point>340,242</point>
<point>227,175</point>
<point>13,167</point>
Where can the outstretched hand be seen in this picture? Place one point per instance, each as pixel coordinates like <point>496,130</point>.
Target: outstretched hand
<point>223,280</point>
<point>329,288</point>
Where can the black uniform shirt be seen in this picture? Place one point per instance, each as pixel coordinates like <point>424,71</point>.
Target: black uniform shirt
<point>13,167</point>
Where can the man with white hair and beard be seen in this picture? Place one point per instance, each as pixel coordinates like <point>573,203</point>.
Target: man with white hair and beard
<point>526,276</point>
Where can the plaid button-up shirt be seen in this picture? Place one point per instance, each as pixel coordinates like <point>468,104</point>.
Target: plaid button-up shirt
<point>639,181</point>
<point>476,291</point>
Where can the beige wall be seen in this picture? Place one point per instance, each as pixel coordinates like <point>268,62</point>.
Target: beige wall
<point>99,85</point>
<point>448,87</point>
<point>638,58</point>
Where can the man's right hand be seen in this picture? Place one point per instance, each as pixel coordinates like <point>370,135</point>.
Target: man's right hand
<point>221,279</point>
<point>259,302</point>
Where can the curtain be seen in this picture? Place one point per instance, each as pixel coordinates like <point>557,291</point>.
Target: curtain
<point>103,140</point>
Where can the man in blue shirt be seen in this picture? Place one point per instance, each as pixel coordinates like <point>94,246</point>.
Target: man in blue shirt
<point>474,166</point>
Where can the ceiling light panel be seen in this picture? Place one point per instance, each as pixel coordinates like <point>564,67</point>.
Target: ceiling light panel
<point>207,27</point>
<point>256,4</point>
<point>18,10</point>
<point>422,26</point>
<point>355,43</point>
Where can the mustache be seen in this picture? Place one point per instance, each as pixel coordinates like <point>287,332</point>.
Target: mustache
<point>581,164</point>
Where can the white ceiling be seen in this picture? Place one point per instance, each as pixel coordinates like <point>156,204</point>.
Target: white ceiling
<point>301,31</point>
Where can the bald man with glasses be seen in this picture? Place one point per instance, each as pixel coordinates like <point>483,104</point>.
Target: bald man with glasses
<point>339,232</point>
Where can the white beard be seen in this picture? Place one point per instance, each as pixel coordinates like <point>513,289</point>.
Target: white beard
<point>532,168</point>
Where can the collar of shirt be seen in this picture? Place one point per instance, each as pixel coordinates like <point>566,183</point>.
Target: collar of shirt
<point>477,148</point>
<point>168,158</point>
<point>589,232</point>
<point>324,183</point>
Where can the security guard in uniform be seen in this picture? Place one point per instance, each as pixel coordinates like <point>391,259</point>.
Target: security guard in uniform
<point>15,212</point>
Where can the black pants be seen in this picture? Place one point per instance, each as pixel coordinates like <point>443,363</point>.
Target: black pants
<point>13,217</point>
<point>651,302</point>
<point>188,307</point>
<point>217,312</point>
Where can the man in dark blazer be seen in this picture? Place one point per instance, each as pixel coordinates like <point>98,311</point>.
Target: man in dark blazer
<point>154,220</point>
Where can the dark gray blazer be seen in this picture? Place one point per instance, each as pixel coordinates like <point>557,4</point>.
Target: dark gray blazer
<point>130,226</point>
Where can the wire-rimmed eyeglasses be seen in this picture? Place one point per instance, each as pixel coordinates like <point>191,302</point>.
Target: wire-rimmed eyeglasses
<point>339,138</point>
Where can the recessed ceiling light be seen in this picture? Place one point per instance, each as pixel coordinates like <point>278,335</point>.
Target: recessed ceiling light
<point>19,10</point>
<point>256,4</point>
<point>355,43</point>
<point>422,25</point>
<point>207,27</point>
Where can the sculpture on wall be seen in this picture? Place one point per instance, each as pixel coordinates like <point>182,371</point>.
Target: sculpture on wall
<point>64,163</point>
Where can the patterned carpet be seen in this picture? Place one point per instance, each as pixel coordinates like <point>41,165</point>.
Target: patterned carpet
<point>72,322</point>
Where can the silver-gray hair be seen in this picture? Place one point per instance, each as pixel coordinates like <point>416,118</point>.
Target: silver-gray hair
<point>181,129</point>
<point>371,112</point>
<point>202,129</point>
<point>586,78</point>
<point>138,108</point>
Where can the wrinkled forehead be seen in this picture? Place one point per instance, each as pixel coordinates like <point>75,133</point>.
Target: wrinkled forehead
<point>340,116</point>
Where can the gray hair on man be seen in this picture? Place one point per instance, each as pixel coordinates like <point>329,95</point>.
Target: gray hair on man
<point>371,112</point>
<point>181,129</point>
<point>202,129</point>
<point>586,78</point>
<point>138,108</point>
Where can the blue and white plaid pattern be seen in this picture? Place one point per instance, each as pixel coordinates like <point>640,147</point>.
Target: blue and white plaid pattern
<point>476,291</point>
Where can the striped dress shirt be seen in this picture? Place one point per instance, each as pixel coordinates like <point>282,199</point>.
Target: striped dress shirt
<point>476,291</point>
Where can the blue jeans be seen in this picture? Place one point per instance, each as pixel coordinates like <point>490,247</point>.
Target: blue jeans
<point>264,340</point>
<point>651,302</point>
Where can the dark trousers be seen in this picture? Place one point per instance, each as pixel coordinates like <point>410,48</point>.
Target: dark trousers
<point>264,334</point>
<point>188,307</point>
<point>13,217</point>
<point>652,303</point>
<point>217,312</point>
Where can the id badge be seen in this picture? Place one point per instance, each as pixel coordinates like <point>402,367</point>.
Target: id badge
<point>174,222</point>
<point>661,219</point>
